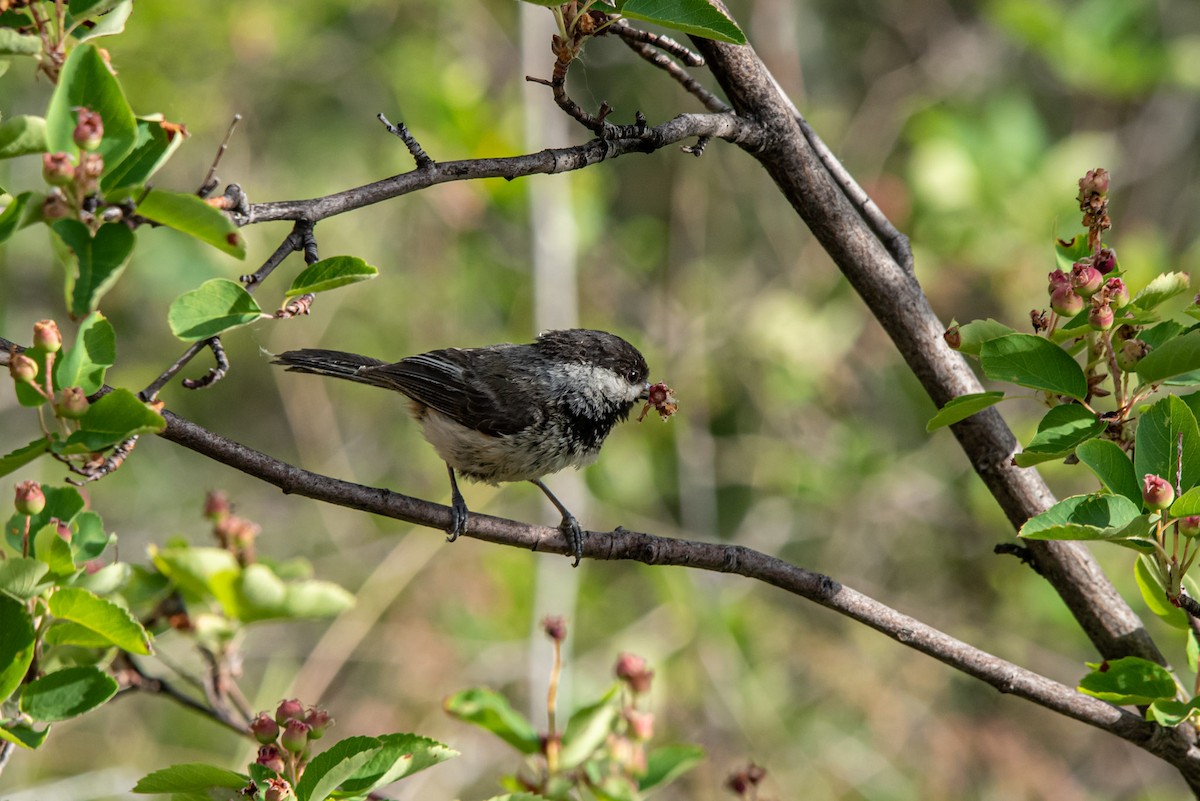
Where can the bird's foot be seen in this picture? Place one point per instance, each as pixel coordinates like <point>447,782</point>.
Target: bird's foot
<point>570,529</point>
<point>458,518</point>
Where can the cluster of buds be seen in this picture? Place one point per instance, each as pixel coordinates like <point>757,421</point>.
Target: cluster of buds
<point>627,746</point>
<point>1093,202</point>
<point>82,177</point>
<point>284,738</point>
<point>233,533</point>
<point>1070,293</point>
<point>70,403</point>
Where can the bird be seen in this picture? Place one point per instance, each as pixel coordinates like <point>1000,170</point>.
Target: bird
<point>507,412</point>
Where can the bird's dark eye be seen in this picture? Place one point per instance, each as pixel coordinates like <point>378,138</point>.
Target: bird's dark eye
<point>632,375</point>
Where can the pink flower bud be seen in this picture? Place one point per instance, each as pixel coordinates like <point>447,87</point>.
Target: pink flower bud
<point>1157,492</point>
<point>91,167</point>
<point>291,709</point>
<point>1085,279</point>
<point>72,404</point>
<point>1105,261</point>
<point>1190,527</point>
<point>47,336</point>
<point>57,169</point>
<point>295,736</point>
<point>216,506</point>
<point>270,757</point>
<point>1065,302</point>
<point>318,721</point>
<point>632,670</point>
<point>641,724</point>
<point>555,628</point>
<point>22,368</point>
<point>89,131</point>
<point>1116,292</point>
<point>278,790</point>
<point>1058,279</point>
<point>264,728</point>
<point>30,500</point>
<point>1101,317</point>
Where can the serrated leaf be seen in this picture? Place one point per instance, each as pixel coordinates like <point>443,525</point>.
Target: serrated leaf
<point>21,576</point>
<point>1068,252</point>
<point>67,693</point>
<point>17,459</point>
<point>1161,289</point>
<point>157,140</point>
<point>16,646</point>
<point>113,418</point>
<point>190,778</point>
<point>96,261</point>
<point>666,764</point>
<point>22,135</point>
<point>400,755</point>
<point>331,273</point>
<point>214,307</point>
<point>694,17</point>
<point>102,616</point>
<point>1112,466</point>
<point>1172,358</point>
<point>1084,517</point>
<point>972,335</point>
<point>1129,680</point>
<point>962,407</point>
<point>95,350</point>
<point>189,214</point>
<point>1156,335</point>
<point>86,81</point>
<point>1062,429</point>
<point>1033,362</point>
<point>491,711</point>
<point>1156,441</point>
<point>330,768</point>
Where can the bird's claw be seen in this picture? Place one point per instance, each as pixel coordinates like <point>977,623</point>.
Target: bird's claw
<point>458,518</point>
<point>570,529</point>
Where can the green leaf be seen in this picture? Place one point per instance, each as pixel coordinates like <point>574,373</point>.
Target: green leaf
<point>962,407</point>
<point>22,735</point>
<point>102,616</point>
<point>1033,362</point>
<point>1155,594</point>
<point>976,332</point>
<point>90,538</point>
<point>1129,680</point>
<point>62,503</point>
<point>52,549</point>
<point>157,140</point>
<point>666,764</point>
<point>1171,713</point>
<point>13,43</point>
<point>113,22</point>
<point>400,755</point>
<point>64,632</point>
<point>197,572</point>
<point>87,81</point>
<point>1161,333</point>
<point>694,17</point>
<point>1084,517</point>
<point>1161,289</point>
<point>1187,504</point>
<point>10,218</point>
<point>491,711</point>
<point>1066,253</point>
<point>216,306</point>
<point>113,418</point>
<point>106,580</point>
<point>21,577</point>
<point>1193,650</point>
<point>1112,466</point>
<point>190,778</point>
<point>17,459</point>
<point>94,351</point>
<point>1156,443</point>
<point>330,768</point>
<point>96,263</point>
<point>22,135</point>
<point>67,693</point>
<point>189,214</point>
<point>16,646</point>
<point>1062,429</point>
<point>1172,358</point>
<point>587,730</point>
<point>331,273</point>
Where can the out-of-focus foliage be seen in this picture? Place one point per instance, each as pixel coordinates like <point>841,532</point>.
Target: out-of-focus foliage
<point>800,433</point>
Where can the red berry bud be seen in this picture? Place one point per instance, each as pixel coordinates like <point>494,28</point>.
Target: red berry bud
<point>632,670</point>
<point>953,337</point>
<point>1157,492</point>
<point>264,728</point>
<point>318,721</point>
<point>1105,261</point>
<point>270,757</point>
<point>30,500</point>
<point>89,131</point>
<point>555,628</point>
<point>291,709</point>
<point>1116,292</point>
<point>1101,317</point>
<point>47,336</point>
<point>1065,302</point>
<point>57,169</point>
<point>1058,279</point>
<point>1190,527</point>
<point>641,724</point>
<point>72,404</point>
<point>22,368</point>
<point>278,790</point>
<point>295,736</point>
<point>1085,279</point>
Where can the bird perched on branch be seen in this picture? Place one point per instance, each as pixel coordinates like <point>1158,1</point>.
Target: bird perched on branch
<point>507,412</point>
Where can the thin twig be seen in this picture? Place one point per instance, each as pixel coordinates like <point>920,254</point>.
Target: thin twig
<point>678,74</point>
<point>414,148</point>
<point>631,36</point>
<point>134,678</point>
<point>216,372</point>
<point>210,181</point>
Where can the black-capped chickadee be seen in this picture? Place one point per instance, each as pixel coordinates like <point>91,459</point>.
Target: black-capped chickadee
<point>507,412</point>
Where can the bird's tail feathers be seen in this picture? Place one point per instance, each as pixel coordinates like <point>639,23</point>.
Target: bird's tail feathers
<point>334,363</point>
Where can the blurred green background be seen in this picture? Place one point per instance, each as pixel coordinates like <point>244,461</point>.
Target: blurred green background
<point>800,432</point>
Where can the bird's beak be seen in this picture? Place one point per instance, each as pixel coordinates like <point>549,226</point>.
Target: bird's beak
<point>645,392</point>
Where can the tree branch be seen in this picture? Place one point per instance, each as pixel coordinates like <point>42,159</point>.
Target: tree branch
<point>895,298</point>
<point>1172,745</point>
